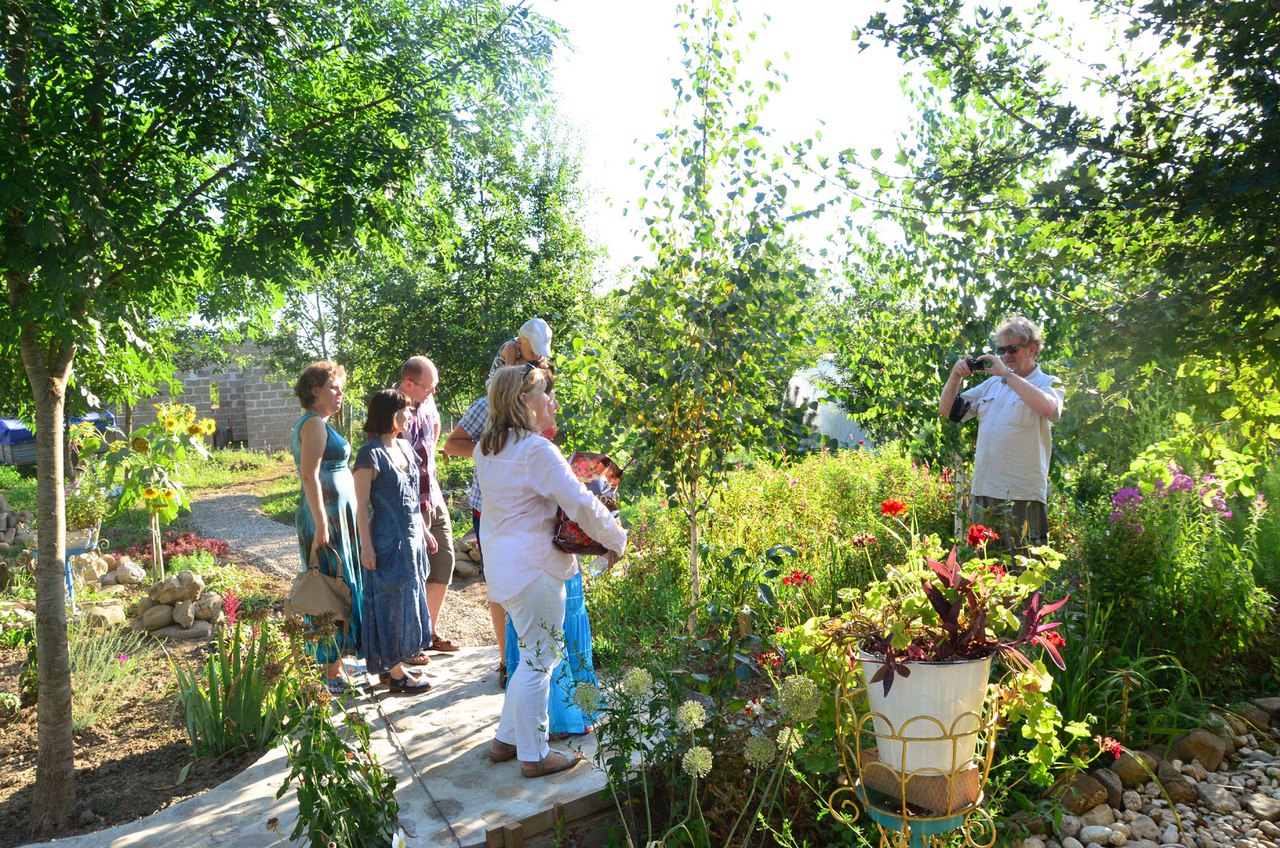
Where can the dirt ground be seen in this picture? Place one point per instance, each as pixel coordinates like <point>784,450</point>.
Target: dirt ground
<point>127,765</point>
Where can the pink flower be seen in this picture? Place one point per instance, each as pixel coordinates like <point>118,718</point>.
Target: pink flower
<point>231,607</point>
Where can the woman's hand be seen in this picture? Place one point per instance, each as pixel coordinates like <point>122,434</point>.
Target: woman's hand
<point>321,539</point>
<point>368,559</point>
<point>433,545</point>
<point>611,558</point>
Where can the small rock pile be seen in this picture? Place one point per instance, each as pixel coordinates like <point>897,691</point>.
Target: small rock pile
<point>1222,781</point>
<point>179,608</point>
<point>9,521</point>
<point>466,556</point>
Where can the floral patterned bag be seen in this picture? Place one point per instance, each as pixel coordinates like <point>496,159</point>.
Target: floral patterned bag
<point>601,475</point>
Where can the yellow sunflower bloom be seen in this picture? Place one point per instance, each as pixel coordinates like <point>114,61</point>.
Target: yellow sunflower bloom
<point>149,493</point>
<point>209,426</point>
<point>169,494</point>
<point>141,445</point>
<point>195,430</point>
<point>171,424</point>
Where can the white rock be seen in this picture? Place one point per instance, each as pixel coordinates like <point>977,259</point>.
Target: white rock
<point>1099,815</point>
<point>129,574</point>
<point>1033,842</point>
<point>1144,827</point>
<point>1069,828</point>
<point>1170,834</point>
<point>1071,842</point>
<point>1098,833</point>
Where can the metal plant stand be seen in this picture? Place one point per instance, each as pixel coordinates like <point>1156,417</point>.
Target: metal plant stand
<point>922,808</point>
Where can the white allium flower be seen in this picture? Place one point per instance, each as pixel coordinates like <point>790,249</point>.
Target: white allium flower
<point>587,697</point>
<point>789,740</point>
<point>759,751</point>
<point>799,698</point>
<point>638,683</point>
<point>697,762</point>
<point>690,716</point>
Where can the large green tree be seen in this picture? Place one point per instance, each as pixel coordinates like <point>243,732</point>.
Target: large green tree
<point>1124,194</point>
<point>163,158</point>
<point>498,238</point>
<point>714,326</point>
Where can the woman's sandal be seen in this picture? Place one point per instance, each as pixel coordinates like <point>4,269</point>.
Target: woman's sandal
<point>339,685</point>
<point>419,658</point>
<point>550,764</point>
<point>408,684</point>
<point>502,675</point>
<point>500,752</point>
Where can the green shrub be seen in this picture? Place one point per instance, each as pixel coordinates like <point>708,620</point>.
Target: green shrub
<point>239,699</point>
<point>104,672</point>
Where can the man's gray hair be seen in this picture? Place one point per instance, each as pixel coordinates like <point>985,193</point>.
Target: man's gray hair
<point>1022,328</point>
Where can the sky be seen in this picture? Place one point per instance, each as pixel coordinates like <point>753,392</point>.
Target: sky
<point>615,83</point>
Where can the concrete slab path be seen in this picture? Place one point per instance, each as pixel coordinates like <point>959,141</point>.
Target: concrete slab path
<point>436,744</point>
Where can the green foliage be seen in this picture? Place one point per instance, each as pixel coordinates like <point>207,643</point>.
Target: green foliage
<point>239,699</point>
<point>1166,552</point>
<point>715,324</point>
<point>104,672</point>
<point>345,796</point>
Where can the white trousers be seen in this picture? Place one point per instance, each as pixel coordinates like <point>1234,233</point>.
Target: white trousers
<point>536,614</point>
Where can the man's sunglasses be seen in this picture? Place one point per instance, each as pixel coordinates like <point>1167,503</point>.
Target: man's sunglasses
<point>1001,350</point>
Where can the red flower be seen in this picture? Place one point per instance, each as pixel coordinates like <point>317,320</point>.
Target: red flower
<point>1055,639</point>
<point>995,569</point>
<point>231,607</point>
<point>797,578</point>
<point>862,540</point>
<point>893,507</point>
<point>768,658</point>
<point>980,535</point>
<point>1111,747</point>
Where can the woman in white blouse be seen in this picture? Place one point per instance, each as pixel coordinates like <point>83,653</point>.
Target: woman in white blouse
<point>523,478</point>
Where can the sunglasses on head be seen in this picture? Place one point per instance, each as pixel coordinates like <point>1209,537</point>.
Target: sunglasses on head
<point>1001,350</point>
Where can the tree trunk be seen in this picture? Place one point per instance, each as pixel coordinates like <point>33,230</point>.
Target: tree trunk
<point>694,579</point>
<point>48,365</point>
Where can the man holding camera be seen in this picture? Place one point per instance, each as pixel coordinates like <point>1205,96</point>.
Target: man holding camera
<point>1016,407</point>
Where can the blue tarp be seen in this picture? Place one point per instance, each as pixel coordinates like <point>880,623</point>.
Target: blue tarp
<point>14,432</point>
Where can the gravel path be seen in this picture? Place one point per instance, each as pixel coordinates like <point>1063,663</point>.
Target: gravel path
<point>236,517</point>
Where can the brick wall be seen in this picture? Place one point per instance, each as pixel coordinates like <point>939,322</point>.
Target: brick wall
<point>259,411</point>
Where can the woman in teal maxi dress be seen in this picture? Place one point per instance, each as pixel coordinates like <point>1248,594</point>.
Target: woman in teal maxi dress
<point>326,517</point>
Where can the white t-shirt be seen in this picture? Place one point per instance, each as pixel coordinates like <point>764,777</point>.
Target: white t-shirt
<point>1014,441</point>
<point>521,486</point>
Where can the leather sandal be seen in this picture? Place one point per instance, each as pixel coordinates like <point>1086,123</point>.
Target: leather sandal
<point>500,752</point>
<point>419,658</point>
<point>443,645</point>
<point>408,684</point>
<point>552,763</point>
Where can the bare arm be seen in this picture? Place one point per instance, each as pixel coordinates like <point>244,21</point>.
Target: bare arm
<point>313,438</point>
<point>952,387</point>
<point>459,443</point>
<point>364,481</point>
<point>510,353</point>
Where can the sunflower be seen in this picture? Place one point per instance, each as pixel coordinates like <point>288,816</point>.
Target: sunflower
<point>195,430</point>
<point>209,426</point>
<point>140,445</point>
<point>169,494</point>
<point>149,493</point>
<point>171,424</point>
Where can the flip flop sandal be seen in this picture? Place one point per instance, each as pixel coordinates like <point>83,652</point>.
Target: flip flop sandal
<point>552,763</point>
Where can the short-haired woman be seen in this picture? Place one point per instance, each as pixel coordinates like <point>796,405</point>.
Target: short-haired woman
<point>397,623</point>
<point>326,516</point>
<point>523,480</point>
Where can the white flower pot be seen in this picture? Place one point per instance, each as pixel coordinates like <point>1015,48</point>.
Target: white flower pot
<point>938,701</point>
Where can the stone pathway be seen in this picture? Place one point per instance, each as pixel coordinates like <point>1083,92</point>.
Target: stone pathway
<point>436,744</point>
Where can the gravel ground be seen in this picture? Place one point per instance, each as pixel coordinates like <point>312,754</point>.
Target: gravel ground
<point>236,517</point>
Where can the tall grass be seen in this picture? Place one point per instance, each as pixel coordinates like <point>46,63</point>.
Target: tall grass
<point>104,672</point>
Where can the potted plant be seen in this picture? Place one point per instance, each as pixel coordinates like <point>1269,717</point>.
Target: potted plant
<point>925,635</point>
<point>86,506</point>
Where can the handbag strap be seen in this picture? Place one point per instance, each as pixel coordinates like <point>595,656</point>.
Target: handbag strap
<point>313,561</point>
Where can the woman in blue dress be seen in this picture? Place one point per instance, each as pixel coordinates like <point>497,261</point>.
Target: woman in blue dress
<point>397,623</point>
<point>577,667</point>
<point>326,516</point>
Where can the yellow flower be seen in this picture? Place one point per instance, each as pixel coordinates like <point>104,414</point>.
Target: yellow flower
<point>141,445</point>
<point>195,430</point>
<point>169,494</point>
<point>171,424</point>
<point>209,426</point>
<point>149,493</point>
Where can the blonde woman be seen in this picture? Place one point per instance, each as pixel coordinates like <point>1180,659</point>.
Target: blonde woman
<point>523,479</point>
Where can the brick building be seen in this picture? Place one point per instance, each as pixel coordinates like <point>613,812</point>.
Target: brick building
<point>251,409</point>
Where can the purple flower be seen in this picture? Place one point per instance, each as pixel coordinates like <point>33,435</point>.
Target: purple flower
<point>122,658</point>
